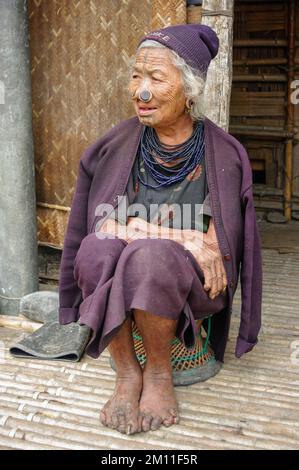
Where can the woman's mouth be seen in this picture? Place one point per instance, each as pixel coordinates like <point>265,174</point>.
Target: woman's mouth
<point>145,111</point>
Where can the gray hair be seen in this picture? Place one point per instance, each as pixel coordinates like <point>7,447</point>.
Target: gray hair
<point>193,80</point>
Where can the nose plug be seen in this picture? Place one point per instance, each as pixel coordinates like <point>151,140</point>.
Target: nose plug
<point>144,95</point>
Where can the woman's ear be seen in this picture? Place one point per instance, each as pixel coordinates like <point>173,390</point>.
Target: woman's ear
<point>189,104</point>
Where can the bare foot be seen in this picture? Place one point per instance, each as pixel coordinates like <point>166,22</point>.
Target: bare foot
<point>122,410</point>
<point>158,404</point>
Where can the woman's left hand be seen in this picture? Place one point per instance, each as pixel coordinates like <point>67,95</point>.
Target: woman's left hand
<point>205,249</point>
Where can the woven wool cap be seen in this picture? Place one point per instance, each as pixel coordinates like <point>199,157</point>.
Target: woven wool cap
<point>197,44</point>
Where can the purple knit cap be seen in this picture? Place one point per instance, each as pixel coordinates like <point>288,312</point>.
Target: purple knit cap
<point>197,44</point>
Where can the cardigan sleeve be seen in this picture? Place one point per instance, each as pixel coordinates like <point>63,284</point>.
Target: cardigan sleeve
<point>251,279</point>
<point>69,292</point>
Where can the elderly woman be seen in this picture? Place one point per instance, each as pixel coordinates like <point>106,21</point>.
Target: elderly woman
<point>161,220</point>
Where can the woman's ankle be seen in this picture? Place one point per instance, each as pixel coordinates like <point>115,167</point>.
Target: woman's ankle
<point>158,369</point>
<point>131,370</point>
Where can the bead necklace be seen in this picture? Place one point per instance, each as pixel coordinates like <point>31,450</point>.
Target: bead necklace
<point>191,153</point>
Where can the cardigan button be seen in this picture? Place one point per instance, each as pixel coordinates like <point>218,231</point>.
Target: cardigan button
<point>227,257</point>
<point>231,284</point>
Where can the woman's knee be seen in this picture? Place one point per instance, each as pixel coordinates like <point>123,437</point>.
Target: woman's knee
<point>93,247</point>
<point>159,269</point>
<point>94,253</point>
<point>153,255</point>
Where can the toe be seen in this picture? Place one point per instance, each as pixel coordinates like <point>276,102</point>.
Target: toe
<point>168,420</point>
<point>139,422</point>
<point>114,421</point>
<point>146,423</point>
<point>132,422</point>
<point>156,423</point>
<point>121,423</point>
<point>175,414</point>
<point>133,427</point>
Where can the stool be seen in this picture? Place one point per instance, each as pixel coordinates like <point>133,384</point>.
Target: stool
<point>188,366</point>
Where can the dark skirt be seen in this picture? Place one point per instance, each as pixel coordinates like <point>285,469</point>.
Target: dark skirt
<point>156,275</point>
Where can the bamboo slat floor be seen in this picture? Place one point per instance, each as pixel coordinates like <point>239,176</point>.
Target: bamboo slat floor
<point>253,403</point>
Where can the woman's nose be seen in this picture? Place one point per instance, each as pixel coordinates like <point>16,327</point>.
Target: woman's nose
<point>143,91</point>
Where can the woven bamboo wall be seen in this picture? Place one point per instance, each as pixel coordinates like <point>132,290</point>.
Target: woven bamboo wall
<point>80,53</point>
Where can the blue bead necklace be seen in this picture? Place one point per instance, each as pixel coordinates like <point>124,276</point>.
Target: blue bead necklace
<point>190,153</point>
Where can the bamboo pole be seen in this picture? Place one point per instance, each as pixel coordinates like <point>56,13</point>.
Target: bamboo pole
<point>245,62</point>
<point>20,322</point>
<point>48,278</point>
<point>53,206</point>
<point>290,114</point>
<point>243,130</point>
<point>260,78</point>
<point>260,43</point>
<point>260,1</point>
<point>218,14</point>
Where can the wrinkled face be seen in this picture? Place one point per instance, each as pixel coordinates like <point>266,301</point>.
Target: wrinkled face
<point>154,72</point>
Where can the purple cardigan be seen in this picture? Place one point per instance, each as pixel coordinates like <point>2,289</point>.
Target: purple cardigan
<point>103,174</point>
